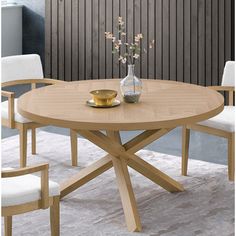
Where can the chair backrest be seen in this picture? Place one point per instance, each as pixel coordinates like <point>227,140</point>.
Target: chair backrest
<point>21,67</point>
<point>229,74</point>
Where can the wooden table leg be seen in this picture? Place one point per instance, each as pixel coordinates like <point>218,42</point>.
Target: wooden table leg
<point>86,175</point>
<point>127,195</point>
<point>120,156</point>
<point>126,190</point>
<point>116,149</point>
<point>154,174</point>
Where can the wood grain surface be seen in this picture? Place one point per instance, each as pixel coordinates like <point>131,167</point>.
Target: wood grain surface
<point>163,104</point>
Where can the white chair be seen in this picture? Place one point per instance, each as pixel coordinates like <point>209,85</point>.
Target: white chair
<point>222,125</point>
<point>23,192</point>
<point>24,69</point>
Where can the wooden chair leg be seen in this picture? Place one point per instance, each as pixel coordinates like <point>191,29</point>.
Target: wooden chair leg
<point>55,216</point>
<point>8,225</point>
<point>74,147</point>
<point>231,157</point>
<point>33,141</point>
<point>23,145</point>
<point>185,149</point>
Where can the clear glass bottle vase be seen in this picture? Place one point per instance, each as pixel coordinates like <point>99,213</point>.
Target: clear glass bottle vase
<point>131,86</point>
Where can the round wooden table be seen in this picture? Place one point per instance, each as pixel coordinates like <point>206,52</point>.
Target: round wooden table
<point>163,106</point>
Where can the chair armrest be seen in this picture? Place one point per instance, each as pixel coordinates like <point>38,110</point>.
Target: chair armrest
<point>222,88</point>
<point>43,168</point>
<point>229,89</point>
<point>54,81</point>
<point>7,94</point>
<point>45,81</point>
<point>32,81</point>
<point>11,112</point>
<point>24,170</point>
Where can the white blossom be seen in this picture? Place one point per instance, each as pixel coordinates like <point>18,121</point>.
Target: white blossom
<point>132,48</point>
<point>109,35</point>
<point>151,45</point>
<point>138,37</point>
<point>120,20</point>
<point>124,60</point>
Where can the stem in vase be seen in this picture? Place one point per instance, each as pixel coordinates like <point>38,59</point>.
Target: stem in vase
<point>131,73</point>
<point>133,78</point>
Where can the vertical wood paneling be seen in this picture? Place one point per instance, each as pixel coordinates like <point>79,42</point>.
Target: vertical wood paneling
<point>228,23</point>
<point>68,40</point>
<point>130,15</point>
<point>144,30</point>
<point>108,42</point>
<point>151,36</point>
<point>129,21</point>
<point>95,39</point>
<point>166,39</point>
<point>180,40</point>
<point>48,38</point>
<point>61,38</point>
<point>201,42</point>
<point>54,51</point>
<point>194,41</point>
<point>88,39</point>
<point>192,38</point>
<point>123,15</point>
<point>215,48</point>
<point>75,40</point>
<point>102,43</point>
<point>173,52</point>
<point>221,40</point>
<point>137,30</point>
<point>82,42</point>
<point>187,41</point>
<point>116,14</point>
<point>158,39</point>
<point>208,42</point>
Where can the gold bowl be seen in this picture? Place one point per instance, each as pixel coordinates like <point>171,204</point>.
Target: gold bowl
<point>103,97</point>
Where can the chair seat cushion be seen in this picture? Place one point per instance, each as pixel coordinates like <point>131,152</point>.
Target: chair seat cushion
<point>24,189</point>
<point>18,118</point>
<point>223,121</point>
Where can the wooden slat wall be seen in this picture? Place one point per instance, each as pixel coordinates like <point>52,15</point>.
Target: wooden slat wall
<point>192,38</point>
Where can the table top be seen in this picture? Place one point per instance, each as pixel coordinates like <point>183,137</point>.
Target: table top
<point>162,104</point>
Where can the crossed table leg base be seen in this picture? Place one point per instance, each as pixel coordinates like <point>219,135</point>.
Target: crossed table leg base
<point>120,157</point>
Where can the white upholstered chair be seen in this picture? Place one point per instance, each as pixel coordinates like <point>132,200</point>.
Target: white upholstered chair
<point>24,69</point>
<point>23,192</point>
<point>222,125</point>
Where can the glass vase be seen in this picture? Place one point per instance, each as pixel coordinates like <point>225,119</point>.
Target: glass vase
<point>131,86</point>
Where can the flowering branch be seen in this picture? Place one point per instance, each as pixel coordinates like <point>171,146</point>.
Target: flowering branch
<point>132,49</point>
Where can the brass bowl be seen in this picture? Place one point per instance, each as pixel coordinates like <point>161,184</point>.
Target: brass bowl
<point>104,97</point>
